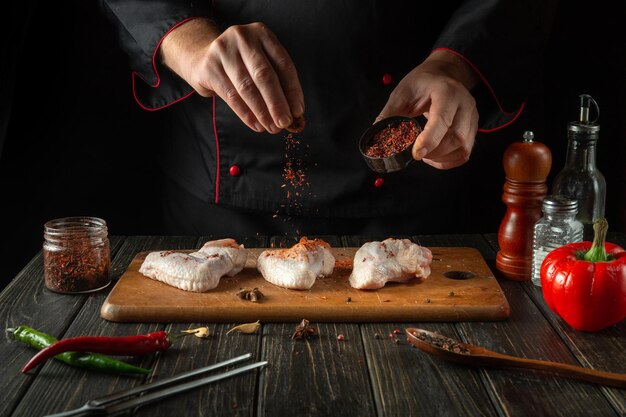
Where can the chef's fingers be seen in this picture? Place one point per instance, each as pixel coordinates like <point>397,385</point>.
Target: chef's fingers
<point>441,116</point>
<point>265,77</point>
<point>287,73</point>
<point>461,133</point>
<point>452,160</point>
<point>226,90</point>
<point>247,89</point>
<point>402,102</point>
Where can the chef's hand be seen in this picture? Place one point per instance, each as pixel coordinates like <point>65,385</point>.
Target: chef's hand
<point>439,88</point>
<point>245,65</point>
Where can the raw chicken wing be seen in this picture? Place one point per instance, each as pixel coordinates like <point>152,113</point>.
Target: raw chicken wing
<point>299,266</point>
<point>376,263</point>
<point>198,271</point>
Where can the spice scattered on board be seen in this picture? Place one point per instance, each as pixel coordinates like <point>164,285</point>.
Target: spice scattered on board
<point>442,342</point>
<point>247,328</point>
<point>253,295</point>
<point>392,139</point>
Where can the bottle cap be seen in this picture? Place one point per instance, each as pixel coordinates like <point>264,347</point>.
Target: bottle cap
<point>558,204</point>
<point>583,125</point>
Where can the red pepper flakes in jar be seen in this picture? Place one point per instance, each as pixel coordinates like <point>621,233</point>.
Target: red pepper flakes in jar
<point>76,255</point>
<point>392,139</point>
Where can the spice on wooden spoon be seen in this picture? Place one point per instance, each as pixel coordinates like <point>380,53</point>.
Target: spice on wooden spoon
<point>455,351</point>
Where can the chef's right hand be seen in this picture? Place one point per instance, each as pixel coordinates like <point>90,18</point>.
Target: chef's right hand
<point>245,65</point>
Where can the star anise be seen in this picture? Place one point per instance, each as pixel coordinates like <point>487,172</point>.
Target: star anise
<point>303,330</point>
<point>253,295</point>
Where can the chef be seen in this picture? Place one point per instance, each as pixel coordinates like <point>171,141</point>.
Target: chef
<point>238,75</point>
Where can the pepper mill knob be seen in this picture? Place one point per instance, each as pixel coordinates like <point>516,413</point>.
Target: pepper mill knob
<point>526,166</point>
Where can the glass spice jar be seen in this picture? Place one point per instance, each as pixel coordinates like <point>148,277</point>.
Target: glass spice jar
<point>557,227</point>
<point>76,255</point>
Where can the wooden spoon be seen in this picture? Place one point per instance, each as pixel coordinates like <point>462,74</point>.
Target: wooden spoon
<point>454,351</point>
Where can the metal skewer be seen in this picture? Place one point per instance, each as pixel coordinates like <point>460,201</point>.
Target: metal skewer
<point>119,401</point>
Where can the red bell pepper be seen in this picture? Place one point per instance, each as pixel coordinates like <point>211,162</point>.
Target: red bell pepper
<point>585,283</point>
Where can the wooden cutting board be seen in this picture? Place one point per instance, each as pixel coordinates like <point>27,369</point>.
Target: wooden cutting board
<point>460,288</point>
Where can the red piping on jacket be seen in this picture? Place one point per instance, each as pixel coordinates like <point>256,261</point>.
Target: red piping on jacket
<point>217,157</point>
<point>154,67</point>
<point>158,82</point>
<point>493,93</point>
<point>217,138</point>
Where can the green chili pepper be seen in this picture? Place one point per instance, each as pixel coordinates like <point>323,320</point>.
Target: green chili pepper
<point>91,361</point>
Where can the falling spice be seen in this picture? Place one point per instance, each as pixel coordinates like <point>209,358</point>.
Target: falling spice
<point>247,328</point>
<point>442,342</point>
<point>253,295</point>
<point>303,330</point>
<point>294,174</point>
<point>392,139</point>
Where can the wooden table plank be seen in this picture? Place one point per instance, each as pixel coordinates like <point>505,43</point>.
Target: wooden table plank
<point>320,376</point>
<point>408,382</point>
<point>232,396</point>
<point>528,334</point>
<point>25,301</point>
<point>604,350</point>
<point>59,387</point>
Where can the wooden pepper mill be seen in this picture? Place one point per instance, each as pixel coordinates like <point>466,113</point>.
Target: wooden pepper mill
<point>526,165</point>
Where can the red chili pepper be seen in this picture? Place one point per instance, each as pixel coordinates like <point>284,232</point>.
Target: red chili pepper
<point>585,283</point>
<point>107,345</point>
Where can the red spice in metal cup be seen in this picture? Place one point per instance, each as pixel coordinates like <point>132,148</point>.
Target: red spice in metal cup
<point>387,145</point>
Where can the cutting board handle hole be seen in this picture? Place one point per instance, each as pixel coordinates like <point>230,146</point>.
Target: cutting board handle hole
<point>459,274</point>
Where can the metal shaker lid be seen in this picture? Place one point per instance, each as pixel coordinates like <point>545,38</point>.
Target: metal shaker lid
<point>555,204</point>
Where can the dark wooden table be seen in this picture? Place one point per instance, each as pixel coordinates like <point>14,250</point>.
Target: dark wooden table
<point>359,376</point>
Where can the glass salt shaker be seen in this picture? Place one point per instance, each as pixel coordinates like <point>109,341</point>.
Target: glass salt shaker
<point>580,179</point>
<point>556,228</point>
<point>76,255</point>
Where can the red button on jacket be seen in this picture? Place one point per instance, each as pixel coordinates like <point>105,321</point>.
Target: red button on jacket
<point>387,79</point>
<point>379,182</point>
<point>234,170</point>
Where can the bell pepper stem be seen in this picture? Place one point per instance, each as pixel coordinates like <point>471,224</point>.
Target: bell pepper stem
<point>597,253</point>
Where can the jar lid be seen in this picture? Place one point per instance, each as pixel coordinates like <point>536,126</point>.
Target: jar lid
<point>554,204</point>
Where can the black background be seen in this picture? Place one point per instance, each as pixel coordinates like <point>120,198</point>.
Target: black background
<point>76,143</point>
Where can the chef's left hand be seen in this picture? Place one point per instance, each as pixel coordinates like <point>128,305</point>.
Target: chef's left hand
<point>439,88</point>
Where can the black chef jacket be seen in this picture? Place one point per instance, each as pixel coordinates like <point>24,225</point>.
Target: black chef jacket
<point>349,56</point>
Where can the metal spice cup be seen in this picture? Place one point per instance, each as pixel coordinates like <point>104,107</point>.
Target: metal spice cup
<point>392,163</point>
